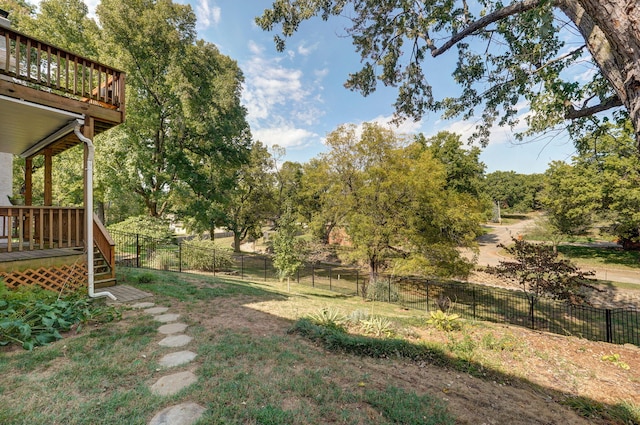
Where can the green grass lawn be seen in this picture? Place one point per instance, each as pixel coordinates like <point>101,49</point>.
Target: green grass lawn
<point>246,375</point>
<point>601,256</point>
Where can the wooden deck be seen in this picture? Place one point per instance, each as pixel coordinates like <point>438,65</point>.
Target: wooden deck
<point>13,256</point>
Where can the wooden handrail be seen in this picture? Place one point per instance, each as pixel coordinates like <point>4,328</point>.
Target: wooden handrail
<point>36,62</point>
<point>104,243</point>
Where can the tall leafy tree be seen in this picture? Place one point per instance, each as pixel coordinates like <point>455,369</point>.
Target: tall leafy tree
<point>394,204</point>
<point>520,192</point>
<point>465,171</point>
<point>319,199</point>
<point>250,202</point>
<point>184,119</point>
<point>65,24</point>
<point>287,249</point>
<point>572,197</point>
<point>20,12</point>
<point>507,52</point>
<point>215,140</point>
<point>148,40</point>
<point>602,182</point>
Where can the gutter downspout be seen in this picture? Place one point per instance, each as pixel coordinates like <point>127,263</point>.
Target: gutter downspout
<point>88,212</point>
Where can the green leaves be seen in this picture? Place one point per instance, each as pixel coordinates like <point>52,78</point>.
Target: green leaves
<point>34,320</point>
<point>516,59</point>
<point>537,269</point>
<point>399,205</point>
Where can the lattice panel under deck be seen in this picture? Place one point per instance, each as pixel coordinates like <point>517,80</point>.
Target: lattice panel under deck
<point>55,278</point>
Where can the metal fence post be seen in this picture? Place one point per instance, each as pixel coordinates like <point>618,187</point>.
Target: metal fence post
<point>298,274</point>
<point>607,313</point>
<point>242,267</point>
<point>532,314</point>
<point>474,302</point>
<point>137,250</point>
<point>426,287</point>
<point>357,283</point>
<point>180,257</point>
<point>214,262</point>
<point>313,276</point>
<point>389,281</point>
<point>265,269</point>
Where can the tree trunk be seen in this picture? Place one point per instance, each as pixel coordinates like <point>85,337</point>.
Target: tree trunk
<point>611,29</point>
<point>373,270</point>
<point>236,242</point>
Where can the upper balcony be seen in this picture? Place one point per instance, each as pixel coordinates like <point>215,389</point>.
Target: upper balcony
<point>44,88</point>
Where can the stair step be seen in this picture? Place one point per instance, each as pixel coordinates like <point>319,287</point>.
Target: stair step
<point>104,283</point>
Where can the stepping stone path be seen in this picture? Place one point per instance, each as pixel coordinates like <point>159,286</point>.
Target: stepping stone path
<point>185,413</point>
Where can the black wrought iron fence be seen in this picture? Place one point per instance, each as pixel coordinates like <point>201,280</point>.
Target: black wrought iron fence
<point>474,302</point>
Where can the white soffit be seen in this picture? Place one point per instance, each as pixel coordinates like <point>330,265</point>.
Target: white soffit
<point>25,124</point>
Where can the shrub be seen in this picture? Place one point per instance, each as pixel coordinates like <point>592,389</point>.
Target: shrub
<point>444,321</point>
<point>377,326</point>
<point>164,259</point>
<point>152,227</point>
<point>329,318</point>
<point>358,315</point>
<point>379,291</point>
<point>333,339</point>
<point>205,255</point>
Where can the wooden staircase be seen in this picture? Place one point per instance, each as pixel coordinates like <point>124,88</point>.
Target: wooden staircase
<point>104,256</point>
<point>103,273</point>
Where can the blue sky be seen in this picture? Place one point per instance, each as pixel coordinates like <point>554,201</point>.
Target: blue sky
<point>295,98</point>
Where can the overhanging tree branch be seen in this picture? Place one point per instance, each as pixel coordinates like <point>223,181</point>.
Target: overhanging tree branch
<point>572,113</point>
<point>485,21</point>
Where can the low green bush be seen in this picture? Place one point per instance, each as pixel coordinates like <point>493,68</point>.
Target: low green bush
<point>152,227</point>
<point>33,317</point>
<point>444,321</point>
<point>330,318</point>
<point>378,290</point>
<point>205,255</point>
<point>336,339</point>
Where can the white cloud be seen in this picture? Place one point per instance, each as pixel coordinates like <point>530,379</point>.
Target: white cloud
<point>275,94</point>
<point>499,135</point>
<point>254,48</point>
<point>286,136</point>
<point>207,14</point>
<point>405,127</point>
<point>305,50</point>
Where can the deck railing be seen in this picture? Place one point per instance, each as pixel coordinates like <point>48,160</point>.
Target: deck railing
<point>27,228</point>
<point>104,243</point>
<point>34,62</point>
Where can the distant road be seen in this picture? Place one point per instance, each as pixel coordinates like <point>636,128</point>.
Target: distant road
<point>502,233</point>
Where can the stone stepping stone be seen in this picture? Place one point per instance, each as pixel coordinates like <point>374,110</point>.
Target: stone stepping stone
<point>178,358</point>
<point>166,318</point>
<point>156,310</point>
<point>143,305</point>
<point>172,328</point>
<point>175,341</point>
<point>181,414</point>
<point>171,384</point>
